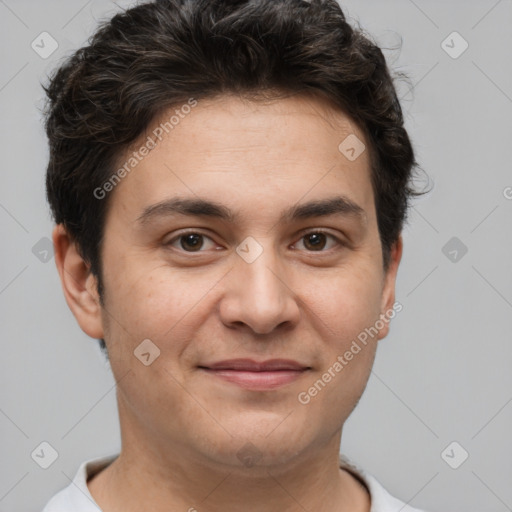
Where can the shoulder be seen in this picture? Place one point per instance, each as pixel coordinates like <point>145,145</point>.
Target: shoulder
<point>70,498</point>
<point>76,496</point>
<point>381,499</point>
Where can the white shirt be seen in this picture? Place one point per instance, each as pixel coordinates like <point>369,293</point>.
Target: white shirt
<point>77,498</point>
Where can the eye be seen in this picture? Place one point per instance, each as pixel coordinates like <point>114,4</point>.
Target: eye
<point>191,241</point>
<point>194,241</point>
<point>316,241</point>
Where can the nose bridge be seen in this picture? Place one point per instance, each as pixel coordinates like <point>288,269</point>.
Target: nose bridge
<point>261,278</point>
<point>259,296</point>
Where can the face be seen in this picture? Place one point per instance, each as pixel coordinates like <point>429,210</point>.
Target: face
<point>245,233</point>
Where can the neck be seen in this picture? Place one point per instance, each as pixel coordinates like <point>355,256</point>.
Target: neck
<point>161,475</point>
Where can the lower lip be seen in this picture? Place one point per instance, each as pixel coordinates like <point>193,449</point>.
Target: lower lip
<point>258,380</point>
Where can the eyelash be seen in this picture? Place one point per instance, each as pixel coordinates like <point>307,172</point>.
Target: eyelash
<point>339,242</point>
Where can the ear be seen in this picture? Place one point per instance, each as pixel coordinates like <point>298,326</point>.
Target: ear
<point>388,292</point>
<point>78,283</point>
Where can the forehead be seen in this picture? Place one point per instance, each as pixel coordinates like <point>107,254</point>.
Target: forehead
<point>248,154</point>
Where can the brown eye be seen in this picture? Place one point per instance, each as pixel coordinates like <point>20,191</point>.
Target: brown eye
<point>317,241</point>
<point>191,242</point>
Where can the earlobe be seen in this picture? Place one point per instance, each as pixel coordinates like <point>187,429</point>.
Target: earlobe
<point>78,283</point>
<point>388,293</point>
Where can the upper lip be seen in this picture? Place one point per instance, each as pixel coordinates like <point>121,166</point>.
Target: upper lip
<point>255,366</point>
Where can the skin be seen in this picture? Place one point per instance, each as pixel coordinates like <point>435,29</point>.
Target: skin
<point>182,428</point>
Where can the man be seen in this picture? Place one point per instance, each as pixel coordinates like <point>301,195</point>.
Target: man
<point>229,181</point>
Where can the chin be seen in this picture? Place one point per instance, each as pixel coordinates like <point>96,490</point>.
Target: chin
<point>266,443</point>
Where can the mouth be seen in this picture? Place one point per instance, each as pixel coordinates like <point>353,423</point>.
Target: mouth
<point>255,375</point>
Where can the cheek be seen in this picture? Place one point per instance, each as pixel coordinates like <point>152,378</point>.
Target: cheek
<point>346,307</point>
<point>156,302</point>
<point>347,302</point>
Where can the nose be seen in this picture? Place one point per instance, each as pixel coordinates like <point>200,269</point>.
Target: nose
<point>259,297</point>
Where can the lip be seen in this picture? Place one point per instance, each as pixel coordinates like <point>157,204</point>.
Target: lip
<point>249,365</point>
<point>250,374</point>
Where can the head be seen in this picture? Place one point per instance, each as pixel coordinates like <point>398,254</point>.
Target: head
<point>230,179</point>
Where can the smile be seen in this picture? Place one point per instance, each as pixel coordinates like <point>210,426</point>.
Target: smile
<point>249,374</point>
<point>257,380</point>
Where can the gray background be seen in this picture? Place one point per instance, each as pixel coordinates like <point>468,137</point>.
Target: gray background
<point>442,375</point>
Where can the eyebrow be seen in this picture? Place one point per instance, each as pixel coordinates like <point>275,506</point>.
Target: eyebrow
<point>338,205</point>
